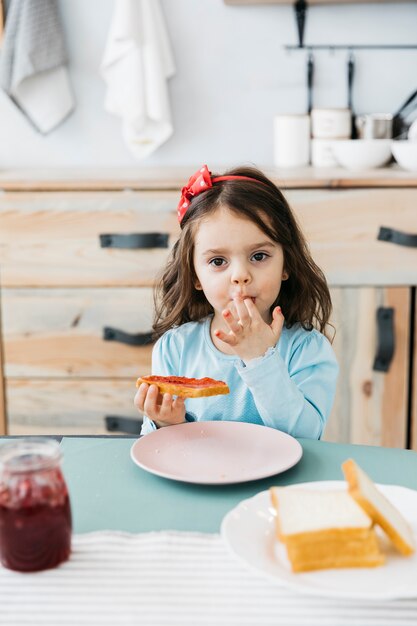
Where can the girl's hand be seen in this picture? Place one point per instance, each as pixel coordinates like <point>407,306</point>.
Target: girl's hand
<point>160,408</point>
<point>249,336</point>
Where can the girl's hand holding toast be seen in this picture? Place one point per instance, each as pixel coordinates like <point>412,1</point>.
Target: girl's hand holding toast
<point>249,335</point>
<point>162,409</point>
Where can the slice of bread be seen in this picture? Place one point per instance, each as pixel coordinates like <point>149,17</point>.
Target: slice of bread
<point>324,529</point>
<point>186,387</point>
<point>376,505</point>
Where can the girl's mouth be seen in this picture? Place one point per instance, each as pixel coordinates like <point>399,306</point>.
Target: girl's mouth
<point>253,298</point>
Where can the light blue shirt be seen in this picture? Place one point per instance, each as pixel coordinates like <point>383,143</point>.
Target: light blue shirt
<point>291,388</point>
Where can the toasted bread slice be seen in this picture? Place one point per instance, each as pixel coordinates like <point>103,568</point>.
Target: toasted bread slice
<point>186,387</point>
<point>324,529</point>
<point>381,511</point>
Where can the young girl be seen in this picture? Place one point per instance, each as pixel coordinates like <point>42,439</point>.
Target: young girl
<point>242,301</point>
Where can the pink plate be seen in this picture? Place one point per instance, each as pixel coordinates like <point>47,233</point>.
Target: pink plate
<point>216,453</point>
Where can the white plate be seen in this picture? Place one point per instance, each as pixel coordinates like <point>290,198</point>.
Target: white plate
<point>249,532</point>
<point>214,453</point>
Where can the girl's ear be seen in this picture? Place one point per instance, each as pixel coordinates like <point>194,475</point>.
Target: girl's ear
<point>285,275</point>
<point>198,286</point>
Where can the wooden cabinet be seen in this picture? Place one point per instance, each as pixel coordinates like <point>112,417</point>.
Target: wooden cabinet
<point>371,406</point>
<point>367,274</point>
<point>62,286</point>
<point>61,289</point>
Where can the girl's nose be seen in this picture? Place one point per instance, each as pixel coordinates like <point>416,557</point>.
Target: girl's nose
<point>240,276</point>
<point>240,281</point>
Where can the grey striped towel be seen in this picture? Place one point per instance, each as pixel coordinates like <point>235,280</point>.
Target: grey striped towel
<point>175,579</point>
<point>32,63</point>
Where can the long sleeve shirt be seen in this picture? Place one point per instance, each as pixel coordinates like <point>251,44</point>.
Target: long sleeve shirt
<point>290,388</point>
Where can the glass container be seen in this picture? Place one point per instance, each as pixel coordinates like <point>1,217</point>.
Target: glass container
<point>35,512</point>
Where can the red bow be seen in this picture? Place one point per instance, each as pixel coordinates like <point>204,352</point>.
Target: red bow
<point>200,181</point>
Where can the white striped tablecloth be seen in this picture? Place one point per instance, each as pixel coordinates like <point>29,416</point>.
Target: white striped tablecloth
<point>175,579</point>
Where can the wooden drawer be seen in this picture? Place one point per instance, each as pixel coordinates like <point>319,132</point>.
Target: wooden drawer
<point>342,227</point>
<point>52,239</point>
<point>67,406</point>
<point>59,332</point>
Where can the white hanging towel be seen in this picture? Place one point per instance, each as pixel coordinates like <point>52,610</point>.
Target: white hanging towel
<point>137,62</point>
<point>32,63</point>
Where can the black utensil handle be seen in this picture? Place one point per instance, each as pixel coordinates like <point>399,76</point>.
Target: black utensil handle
<point>118,423</point>
<point>310,77</point>
<point>398,237</point>
<point>406,103</point>
<point>351,74</point>
<point>386,339</point>
<point>134,241</point>
<point>114,334</point>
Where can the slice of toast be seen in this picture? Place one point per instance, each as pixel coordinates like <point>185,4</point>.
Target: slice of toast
<point>324,529</point>
<point>381,511</point>
<point>186,387</point>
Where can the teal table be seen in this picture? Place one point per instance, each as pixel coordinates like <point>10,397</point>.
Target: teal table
<point>108,491</point>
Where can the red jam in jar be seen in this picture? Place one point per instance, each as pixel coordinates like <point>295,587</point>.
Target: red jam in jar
<point>35,513</point>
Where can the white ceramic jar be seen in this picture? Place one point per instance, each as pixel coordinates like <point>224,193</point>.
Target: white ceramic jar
<point>331,123</point>
<point>291,140</point>
<point>322,153</point>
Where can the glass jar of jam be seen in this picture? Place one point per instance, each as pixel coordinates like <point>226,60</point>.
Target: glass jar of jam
<point>35,513</point>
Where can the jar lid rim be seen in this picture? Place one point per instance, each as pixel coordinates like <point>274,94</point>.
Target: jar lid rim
<point>29,454</point>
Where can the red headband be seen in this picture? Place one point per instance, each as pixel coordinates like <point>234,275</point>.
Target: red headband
<point>199,182</point>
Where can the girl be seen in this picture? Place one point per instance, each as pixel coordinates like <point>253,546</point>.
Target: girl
<point>242,301</point>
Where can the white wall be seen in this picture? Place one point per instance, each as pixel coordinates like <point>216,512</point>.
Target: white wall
<point>232,76</point>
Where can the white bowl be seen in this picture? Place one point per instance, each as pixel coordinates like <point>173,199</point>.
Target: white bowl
<point>362,154</point>
<point>405,153</point>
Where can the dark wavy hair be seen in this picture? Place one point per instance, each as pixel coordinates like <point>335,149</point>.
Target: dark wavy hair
<point>304,297</point>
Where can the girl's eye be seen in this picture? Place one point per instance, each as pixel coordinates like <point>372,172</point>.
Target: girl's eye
<point>217,262</point>
<point>259,256</point>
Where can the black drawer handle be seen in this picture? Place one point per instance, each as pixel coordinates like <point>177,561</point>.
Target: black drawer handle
<point>139,339</point>
<point>398,237</point>
<point>386,339</point>
<point>117,423</point>
<point>134,241</point>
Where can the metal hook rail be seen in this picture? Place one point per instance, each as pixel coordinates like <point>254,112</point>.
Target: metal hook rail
<point>331,47</point>
<point>301,7</point>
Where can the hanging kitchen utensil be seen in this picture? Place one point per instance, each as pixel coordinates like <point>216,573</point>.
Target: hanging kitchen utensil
<point>310,77</point>
<point>351,73</point>
<point>405,116</point>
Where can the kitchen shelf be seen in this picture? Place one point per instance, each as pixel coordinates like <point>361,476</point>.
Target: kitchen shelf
<point>331,46</point>
<point>301,7</point>
<point>259,2</point>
